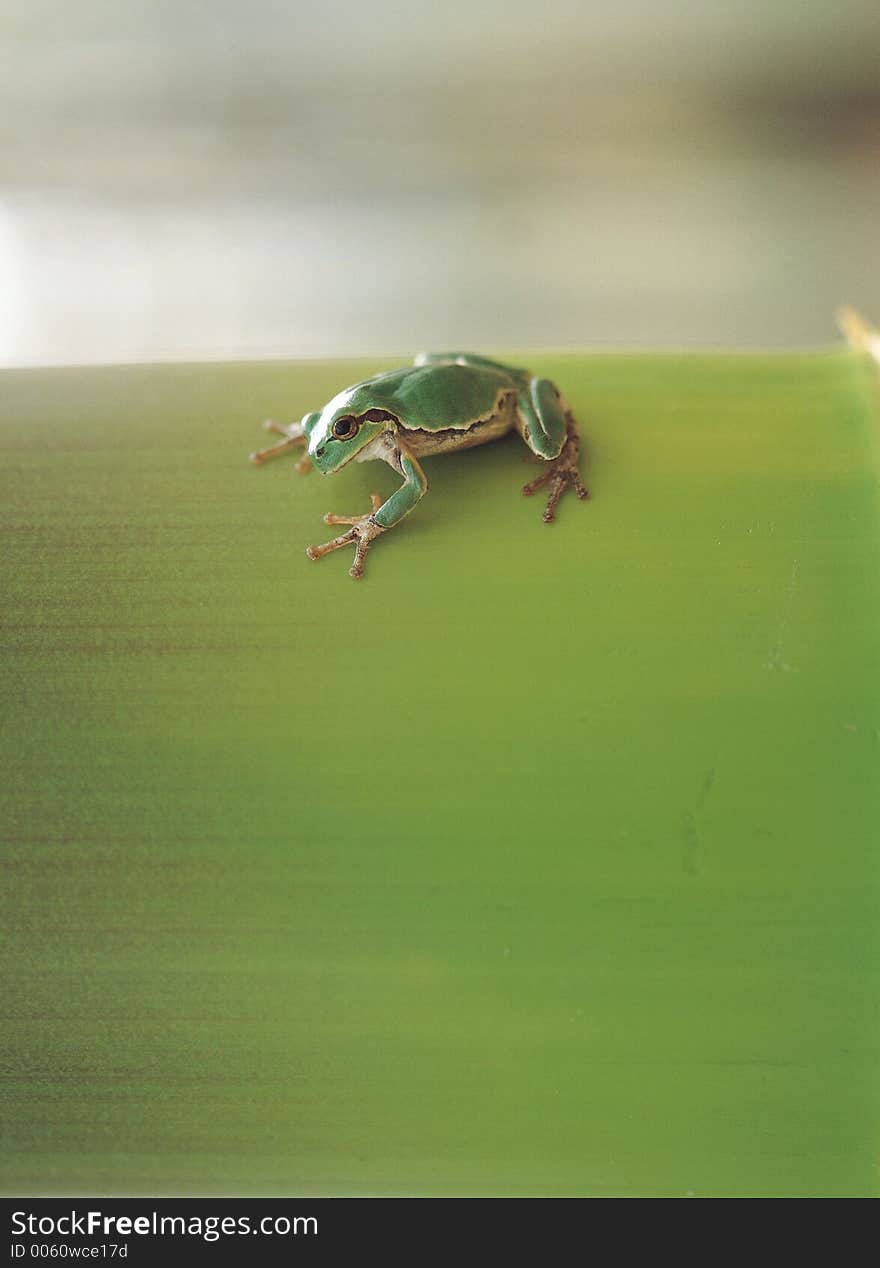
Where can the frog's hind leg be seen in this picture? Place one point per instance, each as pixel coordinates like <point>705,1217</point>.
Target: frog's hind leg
<point>562,472</point>
<point>547,426</point>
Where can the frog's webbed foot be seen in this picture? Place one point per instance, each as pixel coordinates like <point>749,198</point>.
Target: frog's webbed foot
<point>363,532</point>
<point>561,473</point>
<point>293,435</point>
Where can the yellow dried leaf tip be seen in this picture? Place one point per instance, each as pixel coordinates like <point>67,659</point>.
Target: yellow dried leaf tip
<point>858,333</point>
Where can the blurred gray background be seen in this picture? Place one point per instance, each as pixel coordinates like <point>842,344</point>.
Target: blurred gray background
<point>241,178</point>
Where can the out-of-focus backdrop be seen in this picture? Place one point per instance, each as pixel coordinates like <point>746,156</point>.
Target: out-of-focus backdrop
<point>224,178</point>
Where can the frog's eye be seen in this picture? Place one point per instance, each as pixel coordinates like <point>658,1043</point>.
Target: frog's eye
<point>345,428</point>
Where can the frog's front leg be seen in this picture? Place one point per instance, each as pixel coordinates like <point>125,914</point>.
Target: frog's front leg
<point>293,433</point>
<point>384,515</point>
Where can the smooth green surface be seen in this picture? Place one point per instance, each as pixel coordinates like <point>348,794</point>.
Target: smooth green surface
<point>543,860</point>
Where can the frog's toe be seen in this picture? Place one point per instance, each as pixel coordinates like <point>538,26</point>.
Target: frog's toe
<point>562,473</point>
<point>363,532</point>
<point>293,436</point>
<point>354,519</point>
<point>318,552</point>
<point>534,485</point>
<point>559,482</point>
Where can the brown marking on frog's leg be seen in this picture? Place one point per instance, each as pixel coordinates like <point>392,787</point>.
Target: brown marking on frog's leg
<point>561,473</point>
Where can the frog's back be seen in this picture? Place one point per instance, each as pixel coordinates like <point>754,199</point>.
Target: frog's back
<point>434,397</point>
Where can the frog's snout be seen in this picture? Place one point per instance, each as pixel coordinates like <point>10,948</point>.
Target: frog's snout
<point>319,452</point>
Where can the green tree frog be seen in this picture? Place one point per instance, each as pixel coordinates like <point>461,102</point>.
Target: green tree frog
<point>442,403</point>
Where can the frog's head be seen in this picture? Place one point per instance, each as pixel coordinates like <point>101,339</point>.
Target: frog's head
<point>339,432</point>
